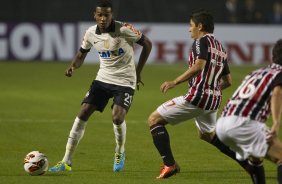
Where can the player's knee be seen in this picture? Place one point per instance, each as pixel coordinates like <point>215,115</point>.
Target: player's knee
<point>277,159</point>
<point>279,162</point>
<point>274,153</point>
<point>152,120</point>
<point>255,161</point>
<point>84,115</point>
<point>117,119</point>
<point>206,136</point>
<point>86,112</point>
<point>156,118</point>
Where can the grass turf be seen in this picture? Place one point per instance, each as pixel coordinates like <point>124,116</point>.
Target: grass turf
<point>38,105</point>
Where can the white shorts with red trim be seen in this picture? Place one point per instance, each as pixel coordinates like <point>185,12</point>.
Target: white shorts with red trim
<point>244,136</point>
<point>179,110</point>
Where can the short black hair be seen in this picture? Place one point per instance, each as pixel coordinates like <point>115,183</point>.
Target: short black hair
<point>202,16</point>
<point>104,3</point>
<point>277,52</point>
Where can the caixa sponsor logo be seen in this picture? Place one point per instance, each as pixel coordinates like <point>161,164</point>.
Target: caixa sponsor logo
<point>111,54</point>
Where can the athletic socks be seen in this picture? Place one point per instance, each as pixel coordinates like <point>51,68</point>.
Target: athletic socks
<point>120,136</point>
<point>162,143</point>
<point>256,171</point>
<point>75,136</point>
<point>257,175</point>
<point>223,148</point>
<point>77,133</point>
<point>227,151</point>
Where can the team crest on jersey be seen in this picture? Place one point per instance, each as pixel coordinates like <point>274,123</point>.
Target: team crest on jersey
<point>107,44</point>
<point>111,54</point>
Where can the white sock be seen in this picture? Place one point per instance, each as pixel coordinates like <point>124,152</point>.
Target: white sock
<point>120,136</point>
<point>75,136</point>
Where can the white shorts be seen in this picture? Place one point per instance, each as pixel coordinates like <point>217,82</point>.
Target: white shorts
<point>179,110</point>
<point>244,136</point>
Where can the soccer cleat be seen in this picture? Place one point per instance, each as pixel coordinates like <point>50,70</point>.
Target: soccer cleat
<point>60,167</point>
<point>119,162</point>
<point>168,171</point>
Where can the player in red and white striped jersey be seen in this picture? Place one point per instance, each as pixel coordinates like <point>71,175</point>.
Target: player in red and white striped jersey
<point>251,99</point>
<point>207,75</point>
<point>205,89</point>
<point>242,123</point>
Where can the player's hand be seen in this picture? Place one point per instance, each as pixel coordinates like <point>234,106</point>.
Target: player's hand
<point>69,71</point>
<point>138,84</point>
<point>138,81</point>
<point>270,135</point>
<point>167,85</point>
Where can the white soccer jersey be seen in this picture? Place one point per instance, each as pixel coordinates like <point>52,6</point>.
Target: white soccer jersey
<point>115,49</point>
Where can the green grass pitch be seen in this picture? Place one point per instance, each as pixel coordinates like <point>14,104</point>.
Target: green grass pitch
<point>38,105</point>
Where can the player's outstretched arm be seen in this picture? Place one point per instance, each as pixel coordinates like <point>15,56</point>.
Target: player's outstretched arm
<point>276,110</point>
<point>187,75</point>
<point>76,63</point>
<point>147,47</point>
<point>191,72</point>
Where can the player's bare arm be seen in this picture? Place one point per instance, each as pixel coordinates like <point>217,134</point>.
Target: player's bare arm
<point>190,73</point>
<point>276,110</point>
<point>225,81</point>
<point>76,63</point>
<point>147,47</point>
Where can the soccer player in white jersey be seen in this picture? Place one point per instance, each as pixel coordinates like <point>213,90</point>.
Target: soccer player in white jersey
<point>116,78</point>
<point>207,75</point>
<point>242,123</point>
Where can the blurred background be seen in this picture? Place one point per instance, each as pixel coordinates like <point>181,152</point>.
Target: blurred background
<point>165,11</point>
<point>38,40</point>
<point>52,30</point>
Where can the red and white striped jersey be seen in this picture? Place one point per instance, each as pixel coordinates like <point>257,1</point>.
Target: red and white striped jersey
<point>204,91</point>
<point>252,97</point>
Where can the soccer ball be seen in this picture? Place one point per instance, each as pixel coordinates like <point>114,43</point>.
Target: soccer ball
<point>35,163</point>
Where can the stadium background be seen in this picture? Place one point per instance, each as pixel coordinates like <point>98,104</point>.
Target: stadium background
<point>38,103</point>
<point>53,30</point>
<point>126,10</point>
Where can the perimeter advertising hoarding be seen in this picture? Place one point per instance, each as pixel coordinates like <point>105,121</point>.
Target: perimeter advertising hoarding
<point>245,44</point>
